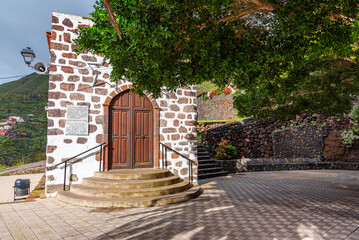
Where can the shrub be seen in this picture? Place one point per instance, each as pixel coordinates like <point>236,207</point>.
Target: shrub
<point>212,94</point>
<point>226,151</point>
<point>227,91</point>
<point>348,138</point>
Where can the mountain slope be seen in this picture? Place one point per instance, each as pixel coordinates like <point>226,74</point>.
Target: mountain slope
<point>33,83</point>
<point>25,96</point>
<point>27,142</point>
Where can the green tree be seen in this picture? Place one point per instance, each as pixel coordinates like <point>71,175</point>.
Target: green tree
<point>292,56</point>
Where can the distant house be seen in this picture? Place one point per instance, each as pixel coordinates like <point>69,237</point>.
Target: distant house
<point>7,127</point>
<point>3,133</point>
<point>18,119</point>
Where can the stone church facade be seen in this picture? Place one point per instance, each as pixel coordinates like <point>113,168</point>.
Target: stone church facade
<point>113,115</point>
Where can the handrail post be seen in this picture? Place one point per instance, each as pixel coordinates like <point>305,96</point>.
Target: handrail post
<point>166,157</point>
<point>65,176</point>
<point>163,156</point>
<point>100,158</point>
<point>165,148</point>
<point>189,171</point>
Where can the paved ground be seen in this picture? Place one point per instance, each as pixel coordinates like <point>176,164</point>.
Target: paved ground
<point>264,205</point>
<point>7,184</point>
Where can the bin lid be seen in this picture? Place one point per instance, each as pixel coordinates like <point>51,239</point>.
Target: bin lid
<point>22,183</point>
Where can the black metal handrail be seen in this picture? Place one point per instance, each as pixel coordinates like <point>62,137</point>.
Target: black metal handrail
<point>190,161</point>
<point>65,162</point>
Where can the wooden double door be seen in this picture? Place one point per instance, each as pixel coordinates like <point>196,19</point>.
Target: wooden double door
<point>131,127</point>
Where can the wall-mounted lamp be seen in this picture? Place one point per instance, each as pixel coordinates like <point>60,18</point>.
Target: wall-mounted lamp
<point>28,54</point>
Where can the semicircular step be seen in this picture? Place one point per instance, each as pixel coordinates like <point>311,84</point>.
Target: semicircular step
<point>129,193</point>
<point>130,184</point>
<point>85,201</point>
<point>135,174</point>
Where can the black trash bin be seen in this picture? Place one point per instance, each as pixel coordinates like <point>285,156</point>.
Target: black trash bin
<point>21,188</point>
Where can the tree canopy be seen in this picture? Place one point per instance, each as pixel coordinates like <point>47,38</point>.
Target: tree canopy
<point>290,56</point>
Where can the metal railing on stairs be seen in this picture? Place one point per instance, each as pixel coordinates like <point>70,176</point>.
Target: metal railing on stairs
<point>65,162</point>
<point>190,161</point>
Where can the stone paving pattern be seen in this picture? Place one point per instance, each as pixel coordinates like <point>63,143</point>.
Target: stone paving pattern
<point>7,184</point>
<point>262,205</point>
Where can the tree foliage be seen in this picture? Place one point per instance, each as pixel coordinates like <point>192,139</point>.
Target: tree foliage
<point>291,56</point>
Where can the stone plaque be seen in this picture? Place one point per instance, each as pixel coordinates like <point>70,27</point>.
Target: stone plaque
<point>77,123</point>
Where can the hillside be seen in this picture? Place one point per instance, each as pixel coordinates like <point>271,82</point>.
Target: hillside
<point>23,97</point>
<point>27,95</point>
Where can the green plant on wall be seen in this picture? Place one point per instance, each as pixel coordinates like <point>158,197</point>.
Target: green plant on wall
<point>225,150</point>
<point>355,113</point>
<point>348,137</point>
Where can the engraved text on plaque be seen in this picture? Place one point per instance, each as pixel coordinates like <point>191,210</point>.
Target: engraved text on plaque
<point>77,120</point>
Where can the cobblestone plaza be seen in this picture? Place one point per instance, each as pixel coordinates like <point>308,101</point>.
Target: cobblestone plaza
<point>262,205</point>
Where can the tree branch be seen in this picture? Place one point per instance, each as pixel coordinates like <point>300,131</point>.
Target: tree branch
<point>107,4</point>
<point>248,7</point>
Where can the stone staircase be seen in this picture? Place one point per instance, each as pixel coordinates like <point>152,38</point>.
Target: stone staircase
<point>207,167</point>
<point>130,188</point>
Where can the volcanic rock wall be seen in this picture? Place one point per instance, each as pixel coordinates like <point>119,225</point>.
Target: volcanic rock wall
<point>304,141</point>
<point>219,107</point>
<point>251,137</point>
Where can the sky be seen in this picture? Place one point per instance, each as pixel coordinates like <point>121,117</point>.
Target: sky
<point>23,23</point>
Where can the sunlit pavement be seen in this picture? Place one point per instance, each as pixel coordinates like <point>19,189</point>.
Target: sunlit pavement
<point>263,205</point>
<point>7,185</point>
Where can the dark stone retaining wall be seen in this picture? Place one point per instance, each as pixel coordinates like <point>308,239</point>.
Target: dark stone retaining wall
<point>305,141</point>
<point>238,165</point>
<point>31,168</point>
<point>219,107</point>
<point>251,137</point>
<point>263,146</point>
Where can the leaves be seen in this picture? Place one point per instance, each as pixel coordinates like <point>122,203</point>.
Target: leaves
<point>302,56</point>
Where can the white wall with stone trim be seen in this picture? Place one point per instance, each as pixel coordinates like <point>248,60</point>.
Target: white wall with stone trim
<point>70,83</point>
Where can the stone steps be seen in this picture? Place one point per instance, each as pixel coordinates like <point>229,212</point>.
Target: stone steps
<point>203,157</point>
<point>210,170</point>
<point>130,188</point>
<point>129,193</point>
<point>85,201</point>
<point>212,175</point>
<point>207,167</point>
<point>130,184</point>
<point>134,174</point>
<point>206,161</point>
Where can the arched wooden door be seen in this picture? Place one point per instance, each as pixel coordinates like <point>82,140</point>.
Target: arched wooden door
<point>131,127</point>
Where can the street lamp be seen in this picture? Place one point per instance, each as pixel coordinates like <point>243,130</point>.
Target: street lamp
<point>28,55</point>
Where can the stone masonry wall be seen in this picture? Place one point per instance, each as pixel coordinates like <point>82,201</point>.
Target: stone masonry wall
<point>219,107</point>
<point>71,83</point>
<point>304,141</point>
<point>306,137</point>
<point>251,137</point>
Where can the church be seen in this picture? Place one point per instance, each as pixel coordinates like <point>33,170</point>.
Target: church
<point>114,138</point>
